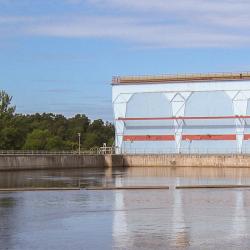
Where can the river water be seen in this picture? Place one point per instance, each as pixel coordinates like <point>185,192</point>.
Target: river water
<point>125,219</point>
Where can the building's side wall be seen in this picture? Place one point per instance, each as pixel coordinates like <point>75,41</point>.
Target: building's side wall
<point>209,103</point>
<point>246,143</point>
<point>148,105</point>
<point>228,98</point>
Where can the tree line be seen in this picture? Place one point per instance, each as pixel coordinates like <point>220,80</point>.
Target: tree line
<point>49,131</point>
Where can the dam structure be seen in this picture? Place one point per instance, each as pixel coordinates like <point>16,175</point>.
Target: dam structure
<point>182,114</point>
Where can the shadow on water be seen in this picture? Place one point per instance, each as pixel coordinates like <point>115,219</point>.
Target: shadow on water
<point>7,202</point>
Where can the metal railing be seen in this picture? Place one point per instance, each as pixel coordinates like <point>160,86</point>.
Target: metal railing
<point>133,151</point>
<point>106,150</point>
<point>186,151</point>
<point>44,152</point>
<point>94,151</point>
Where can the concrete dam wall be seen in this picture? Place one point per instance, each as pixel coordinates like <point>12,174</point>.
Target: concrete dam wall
<point>32,162</point>
<point>179,160</point>
<point>23,162</point>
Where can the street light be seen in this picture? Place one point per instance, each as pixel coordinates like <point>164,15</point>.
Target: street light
<point>79,143</point>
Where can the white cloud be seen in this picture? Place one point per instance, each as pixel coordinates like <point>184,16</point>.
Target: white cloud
<point>158,23</point>
<point>140,31</point>
<point>73,1</point>
<point>16,19</point>
<point>222,6</point>
<point>228,13</point>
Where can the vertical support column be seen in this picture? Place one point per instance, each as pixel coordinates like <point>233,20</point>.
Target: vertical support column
<point>178,102</point>
<point>239,102</point>
<point>120,109</point>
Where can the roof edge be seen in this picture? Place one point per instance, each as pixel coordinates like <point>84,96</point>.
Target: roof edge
<point>168,78</point>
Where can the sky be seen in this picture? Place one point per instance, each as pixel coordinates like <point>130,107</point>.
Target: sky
<point>59,56</point>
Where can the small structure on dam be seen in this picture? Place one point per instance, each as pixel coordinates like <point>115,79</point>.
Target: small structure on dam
<point>194,113</point>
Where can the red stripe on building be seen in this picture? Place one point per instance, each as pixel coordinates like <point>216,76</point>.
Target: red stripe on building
<point>148,137</point>
<point>184,118</point>
<point>209,137</point>
<point>247,137</point>
<point>229,137</point>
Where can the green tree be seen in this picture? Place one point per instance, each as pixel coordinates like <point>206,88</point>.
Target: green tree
<point>96,126</point>
<point>9,138</point>
<point>48,131</point>
<point>92,139</point>
<point>54,143</point>
<point>5,102</point>
<point>37,140</point>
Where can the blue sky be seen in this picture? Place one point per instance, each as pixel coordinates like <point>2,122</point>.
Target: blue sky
<point>60,55</point>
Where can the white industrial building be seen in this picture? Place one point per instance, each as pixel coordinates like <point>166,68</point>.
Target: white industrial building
<point>194,113</point>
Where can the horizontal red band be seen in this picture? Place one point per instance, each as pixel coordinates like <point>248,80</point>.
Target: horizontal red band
<point>209,137</point>
<point>229,137</point>
<point>247,137</point>
<point>184,118</point>
<point>148,138</point>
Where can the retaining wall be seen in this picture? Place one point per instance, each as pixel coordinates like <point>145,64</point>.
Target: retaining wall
<point>186,160</point>
<point>24,162</point>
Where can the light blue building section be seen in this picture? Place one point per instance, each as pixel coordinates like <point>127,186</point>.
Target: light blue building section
<point>182,114</point>
<point>209,104</point>
<point>149,105</point>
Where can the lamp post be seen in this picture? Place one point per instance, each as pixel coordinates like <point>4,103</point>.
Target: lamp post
<point>79,143</point>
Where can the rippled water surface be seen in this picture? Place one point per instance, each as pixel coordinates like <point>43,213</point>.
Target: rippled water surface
<point>125,219</point>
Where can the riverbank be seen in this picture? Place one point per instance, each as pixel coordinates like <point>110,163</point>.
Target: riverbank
<point>33,162</point>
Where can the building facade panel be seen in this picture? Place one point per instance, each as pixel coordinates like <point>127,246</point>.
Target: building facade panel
<point>191,115</point>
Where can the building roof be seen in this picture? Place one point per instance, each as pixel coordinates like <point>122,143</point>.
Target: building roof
<point>151,79</point>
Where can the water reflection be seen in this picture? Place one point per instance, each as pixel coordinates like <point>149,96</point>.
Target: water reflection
<point>119,227</point>
<point>239,217</point>
<point>53,178</point>
<point>239,228</point>
<point>8,220</point>
<point>180,234</point>
<point>130,176</point>
<point>126,219</point>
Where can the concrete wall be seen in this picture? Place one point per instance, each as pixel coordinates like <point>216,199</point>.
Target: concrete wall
<point>20,162</point>
<point>113,161</point>
<point>186,160</point>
